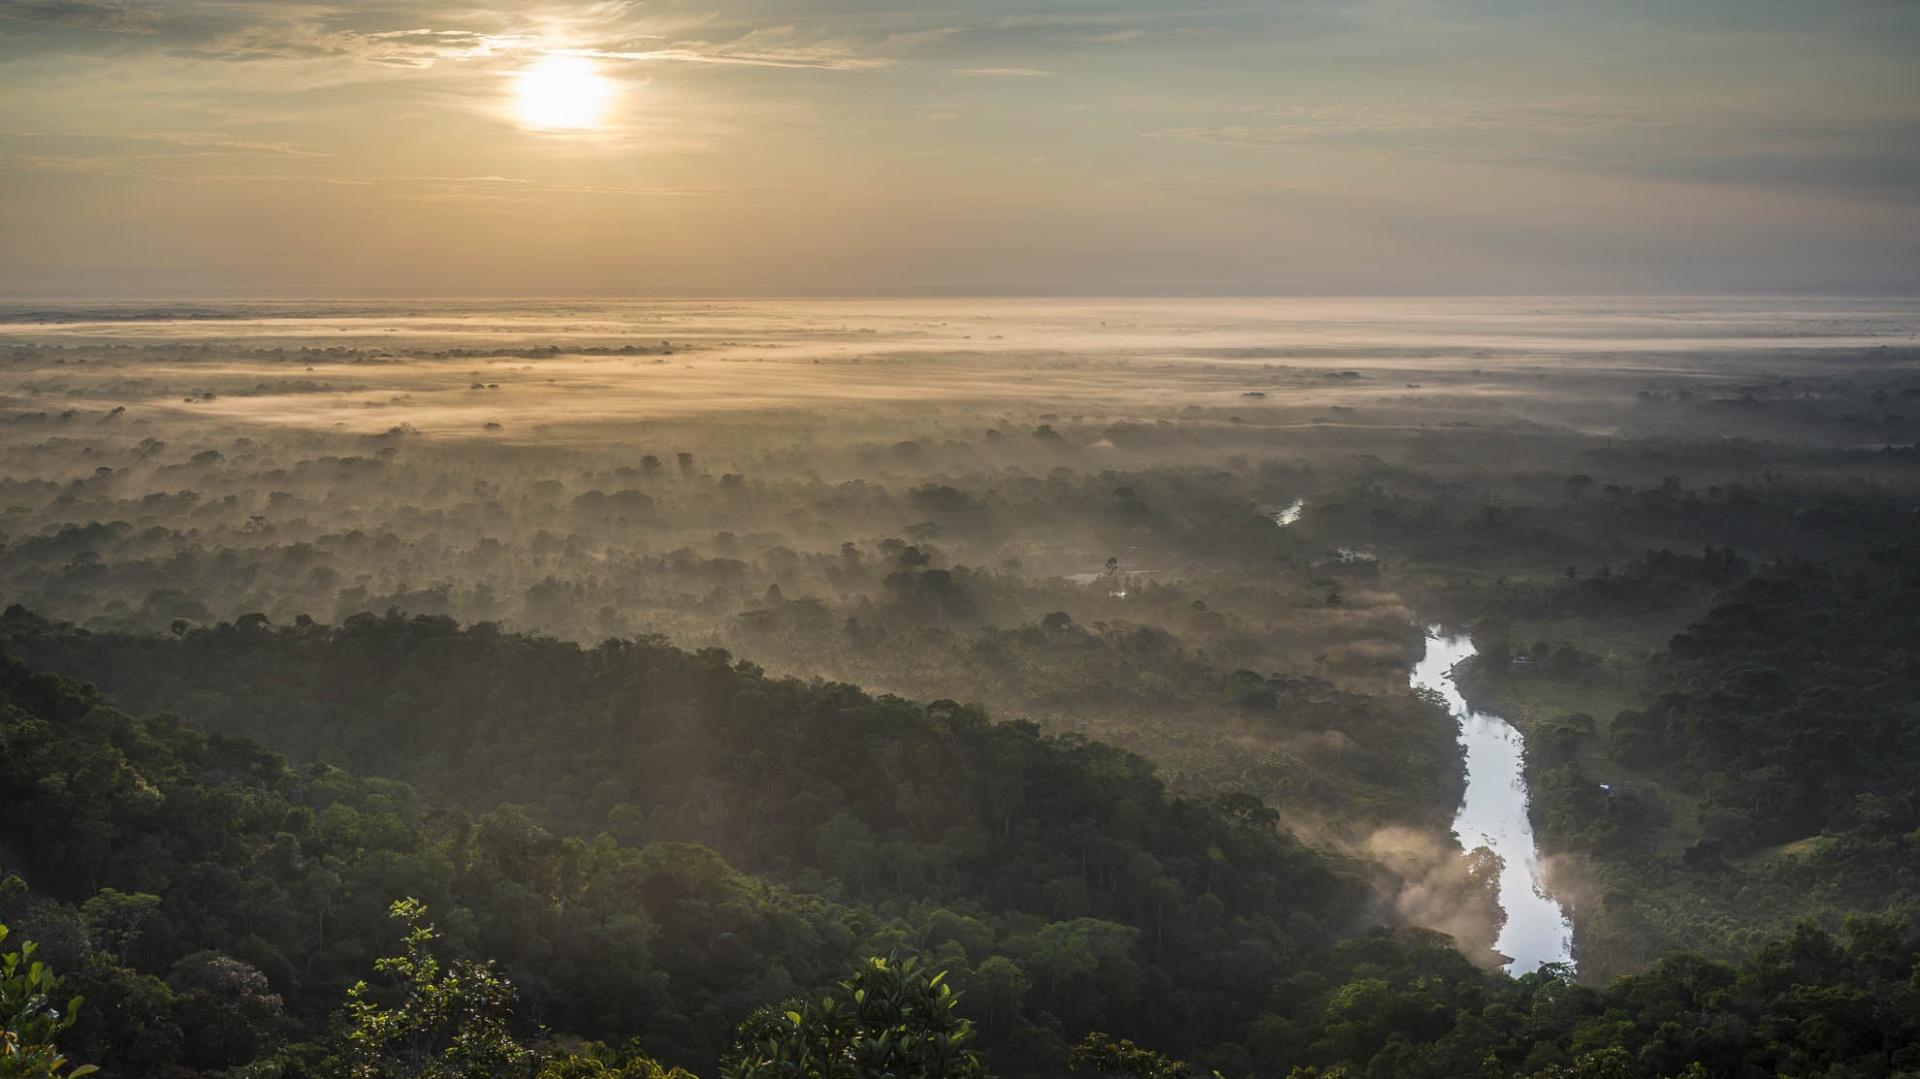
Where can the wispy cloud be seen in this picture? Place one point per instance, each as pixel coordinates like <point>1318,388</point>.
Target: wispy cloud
<point>912,39</point>
<point>113,16</point>
<point>1310,123</point>
<point>204,143</point>
<point>1113,37</point>
<point>1866,156</point>
<point>1002,72</point>
<point>483,188</point>
<point>421,35</point>
<point>773,46</point>
<point>172,146</point>
<point>306,40</point>
<point>518,188</point>
<point>1410,119</point>
<point>703,53</point>
<point>1064,20</point>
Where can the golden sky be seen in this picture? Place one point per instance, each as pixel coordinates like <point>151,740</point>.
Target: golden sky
<point>410,147</point>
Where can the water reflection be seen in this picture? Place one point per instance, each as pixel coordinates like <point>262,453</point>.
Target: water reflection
<point>1494,815</point>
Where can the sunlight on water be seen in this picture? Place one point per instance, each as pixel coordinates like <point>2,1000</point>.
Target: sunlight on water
<point>1494,815</point>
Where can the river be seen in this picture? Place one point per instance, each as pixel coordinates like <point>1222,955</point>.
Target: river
<point>1494,815</point>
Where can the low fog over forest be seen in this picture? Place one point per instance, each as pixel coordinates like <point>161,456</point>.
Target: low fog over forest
<point>681,656</point>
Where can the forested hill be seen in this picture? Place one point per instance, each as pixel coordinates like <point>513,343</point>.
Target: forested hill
<point>868,798</point>
<point>1057,877</point>
<point>213,903</point>
<point>1794,705</point>
<point>1761,767</point>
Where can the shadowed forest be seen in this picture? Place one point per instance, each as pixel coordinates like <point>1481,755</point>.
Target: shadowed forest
<point>956,688</point>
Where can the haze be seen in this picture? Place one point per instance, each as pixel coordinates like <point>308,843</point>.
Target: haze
<point>838,539</point>
<point>233,147</point>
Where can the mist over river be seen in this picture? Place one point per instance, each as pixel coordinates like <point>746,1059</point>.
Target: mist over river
<point>1493,814</point>
<point>1092,513</point>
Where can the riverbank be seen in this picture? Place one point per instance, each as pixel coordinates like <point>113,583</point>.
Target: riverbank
<point>1616,839</point>
<point>1567,865</point>
<point>1493,821</point>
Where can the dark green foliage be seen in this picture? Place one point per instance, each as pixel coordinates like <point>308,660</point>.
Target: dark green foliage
<point>1412,1007</point>
<point>598,1062</point>
<point>228,1011</point>
<point>1794,705</point>
<point>651,742</point>
<point>33,1015</point>
<point>889,1019</point>
<point>1056,879</point>
<point>1055,875</point>
<point>451,1022</point>
<point>1102,1057</point>
<point>444,1023</point>
<point>288,874</point>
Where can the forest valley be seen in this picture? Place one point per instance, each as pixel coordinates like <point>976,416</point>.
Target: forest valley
<point>411,707</point>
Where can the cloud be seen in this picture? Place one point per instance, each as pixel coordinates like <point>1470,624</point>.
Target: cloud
<point>113,16</point>
<point>64,163</point>
<point>203,143</point>
<point>774,46</point>
<point>1122,25</point>
<point>456,188</point>
<point>703,53</point>
<point>908,39</point>
<point>1113,37</point>
<point>484,188</point>
<point>250,31</point>
<point>1002,72</point>
<point>177,146</point>
<point>1865,156</point>
<point>1063,20</point>
<point>1311,123</point>
<point>305,40</point>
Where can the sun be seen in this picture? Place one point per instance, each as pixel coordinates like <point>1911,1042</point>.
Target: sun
<point>562,93</point>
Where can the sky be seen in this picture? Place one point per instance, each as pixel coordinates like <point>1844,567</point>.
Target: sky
<point>185,148</point>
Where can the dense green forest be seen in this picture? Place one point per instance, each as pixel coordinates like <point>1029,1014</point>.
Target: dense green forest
<point>1760,765</point>
<point>635,737</point>
<point>1059,871</point>
<point>854,700</point>
<point>277,882</point>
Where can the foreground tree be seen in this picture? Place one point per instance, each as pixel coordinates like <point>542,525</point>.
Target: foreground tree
<point>1102,1057</point>
<point>888,1019</point>
<point>448,1023</point>
<point>599,1062</point>
<point>31,1017</point>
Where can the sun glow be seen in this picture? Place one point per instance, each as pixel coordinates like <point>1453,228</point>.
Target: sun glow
<point>562,93</point>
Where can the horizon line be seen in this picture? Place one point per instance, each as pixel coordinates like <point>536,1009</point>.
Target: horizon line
<point>738,295</point>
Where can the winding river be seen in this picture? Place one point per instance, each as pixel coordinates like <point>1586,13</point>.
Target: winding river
<point>1494,815</point>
